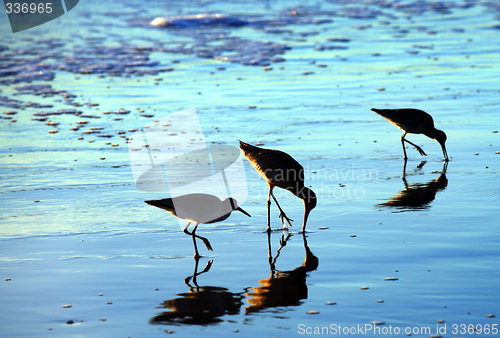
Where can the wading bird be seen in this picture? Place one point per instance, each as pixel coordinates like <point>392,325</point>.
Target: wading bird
<point>198,209</point>
<point>414,121</point>
<point>280,170</point>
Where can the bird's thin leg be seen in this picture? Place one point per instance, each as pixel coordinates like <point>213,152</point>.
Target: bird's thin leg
<point>269,210</point>
<point>196,254</point>
<point>403,143</point>
<point>186,228</point>
<point>282,214</point>
<point>205,241</point>
<point>413,144</point>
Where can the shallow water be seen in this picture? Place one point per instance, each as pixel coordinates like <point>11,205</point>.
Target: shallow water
<point>74,226</point>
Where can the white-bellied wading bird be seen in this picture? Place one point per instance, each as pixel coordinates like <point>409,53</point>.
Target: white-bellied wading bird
<point>280,170</point>
<point>414,121</point>
<point>198,209</point>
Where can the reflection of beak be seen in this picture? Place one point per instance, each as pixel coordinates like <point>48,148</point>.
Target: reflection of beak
<point>243,211</point>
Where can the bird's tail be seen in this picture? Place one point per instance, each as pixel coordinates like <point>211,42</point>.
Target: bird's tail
<point>387,113</point>
<point>247,147</point>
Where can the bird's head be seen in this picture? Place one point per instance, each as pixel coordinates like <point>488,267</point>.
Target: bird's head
<point>310,200</point>
<point>440,137</point>
<point>234,206</point>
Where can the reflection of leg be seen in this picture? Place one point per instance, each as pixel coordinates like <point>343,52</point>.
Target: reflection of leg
<point>196,273</point>
<point>269,253</point>
<point>282,214</point>
<point>404,167</point>
<point>405,182</point>
<point>283,241</point>
<point>311,262</point>
<point>445,166</point>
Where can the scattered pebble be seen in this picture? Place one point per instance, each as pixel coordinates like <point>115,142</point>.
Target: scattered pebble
<point>353,235</point>
<point>252,107</point>
<point>323,228</point>
<point>378,322</point>
<point>70,322</point>
<point>312,312</point>
<point>7,279</point>
<point>380,301</point>
<point>66,306</point>
<point>441,321</point>
<point>331,303</point>
<point>490,315</point>
<point>391,278</point>
<point>53,131</point>
<point>364,288</point>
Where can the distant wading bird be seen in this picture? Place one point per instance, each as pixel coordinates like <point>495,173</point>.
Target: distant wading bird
<point>280,170</point>
<point>414,121</point>
<point>198,209</point>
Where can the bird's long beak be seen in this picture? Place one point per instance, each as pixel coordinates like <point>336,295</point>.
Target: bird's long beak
<point>445,153</point>
<point>306,215</point>
<point>243,211</point>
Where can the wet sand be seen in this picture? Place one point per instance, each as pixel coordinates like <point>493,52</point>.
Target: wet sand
<point>81,254</point>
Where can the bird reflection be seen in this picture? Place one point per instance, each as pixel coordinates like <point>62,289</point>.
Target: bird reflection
<point>283,288</point>
<point>198,209</point>
<point>202,305</point>
<point>417,196</point>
